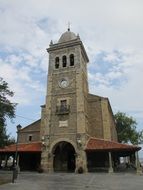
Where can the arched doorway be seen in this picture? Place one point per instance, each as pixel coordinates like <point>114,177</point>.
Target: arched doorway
<point>64,157</point>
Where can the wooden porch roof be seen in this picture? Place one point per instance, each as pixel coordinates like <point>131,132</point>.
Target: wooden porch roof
<point>26,147</point>
<point>95,144</point>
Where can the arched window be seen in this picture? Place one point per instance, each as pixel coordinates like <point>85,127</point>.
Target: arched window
<point>57,62</point>
<point>64,61</point>
<point>72,60</point>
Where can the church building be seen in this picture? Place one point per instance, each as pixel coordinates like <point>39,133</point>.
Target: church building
<point>77,130</point>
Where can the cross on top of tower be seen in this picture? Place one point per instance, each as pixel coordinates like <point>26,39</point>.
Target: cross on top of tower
<point>69,26</point>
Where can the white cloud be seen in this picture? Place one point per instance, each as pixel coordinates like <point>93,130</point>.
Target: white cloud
<point>20,80</point>
<point>111,57</point>
<point>127,95</point>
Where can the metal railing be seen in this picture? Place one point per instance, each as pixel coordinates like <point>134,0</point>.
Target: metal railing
<point>62,109</point>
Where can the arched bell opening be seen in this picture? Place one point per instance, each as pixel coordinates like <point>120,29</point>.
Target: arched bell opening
<point>64,157</point>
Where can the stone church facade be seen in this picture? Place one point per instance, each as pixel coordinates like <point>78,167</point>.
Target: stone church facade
<point>77,130</point>
<point>71,115</point>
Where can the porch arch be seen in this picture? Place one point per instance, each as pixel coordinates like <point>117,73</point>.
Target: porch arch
<point>60,140</point>
<point>64,157</point>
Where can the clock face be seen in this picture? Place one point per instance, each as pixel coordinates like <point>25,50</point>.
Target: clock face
<point>64,83</point>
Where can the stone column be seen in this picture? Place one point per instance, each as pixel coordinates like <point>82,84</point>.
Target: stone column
<point>18,167</point>
<point>50,163</point>
<point>138,167</point>
<point>85,162</point>
<point>129,160</point>
<point>44,159</point>
<point>81,162</point>
<point>110,170</point>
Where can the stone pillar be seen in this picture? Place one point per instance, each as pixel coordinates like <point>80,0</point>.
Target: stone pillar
<point>84,162</point>
<point>110,170</point>
<point>50,163</point>
<point>47,161</point>
<point>44,159</point>
<point>18,167</point>
<point>138,167</point>
<point>81,162</point>
<point>129,160</point>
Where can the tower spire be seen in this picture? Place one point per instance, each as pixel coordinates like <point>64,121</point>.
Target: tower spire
<point>68,26</point>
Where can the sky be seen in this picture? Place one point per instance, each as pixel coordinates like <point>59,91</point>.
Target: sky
<point>111,31</point>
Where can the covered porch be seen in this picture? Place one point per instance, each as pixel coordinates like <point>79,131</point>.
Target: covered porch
<point>111,156</point>
<point>28,156</point>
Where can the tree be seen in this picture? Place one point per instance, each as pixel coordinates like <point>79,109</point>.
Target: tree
<point>7,110</point>
<point>126,129</point>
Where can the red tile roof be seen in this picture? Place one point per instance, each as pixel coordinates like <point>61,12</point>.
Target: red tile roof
<point>94,144</point>
<point>27,147</point>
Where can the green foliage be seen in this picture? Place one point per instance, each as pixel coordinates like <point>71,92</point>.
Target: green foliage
<point>7,110</point>
<point>126,129</point>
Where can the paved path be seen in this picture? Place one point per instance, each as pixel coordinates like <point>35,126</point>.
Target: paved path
<point>90,181</point>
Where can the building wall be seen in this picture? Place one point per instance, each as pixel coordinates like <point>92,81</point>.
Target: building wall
<point>32,130</point>
<point>95,116</point>
<point>101,120</point>
<point>113,125</point>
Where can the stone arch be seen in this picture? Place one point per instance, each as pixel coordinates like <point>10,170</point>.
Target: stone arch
<point>64,156</point>
<point>64,60</point>
<point>57,62</point>
<point>71,57</point>
<point>62,139</point>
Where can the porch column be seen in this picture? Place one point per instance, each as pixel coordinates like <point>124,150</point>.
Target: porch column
<point>0,161</point>
<point>110,170</point>
<point>13,157</point>
<point>6,158</point>
<point>138,167</point>
<point>18,167</point>
<point>129,161</point>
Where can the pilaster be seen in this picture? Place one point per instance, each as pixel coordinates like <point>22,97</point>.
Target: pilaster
<point>138,166</point>
<point>110,170</point>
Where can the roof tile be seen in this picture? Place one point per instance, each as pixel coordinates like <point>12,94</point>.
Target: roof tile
<point>101,144</point>
<point>27,147</point>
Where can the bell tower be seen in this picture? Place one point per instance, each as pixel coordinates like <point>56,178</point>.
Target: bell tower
<point>64,116</point>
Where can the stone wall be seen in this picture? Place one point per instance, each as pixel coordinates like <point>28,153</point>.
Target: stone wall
<point>100,118</point>
<point>30,130</point>
<point>95,116</point>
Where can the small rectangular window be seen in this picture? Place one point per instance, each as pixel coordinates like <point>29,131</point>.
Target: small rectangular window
<point>30,138</point>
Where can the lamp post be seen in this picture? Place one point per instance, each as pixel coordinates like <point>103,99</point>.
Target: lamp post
<point>15,168</point>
